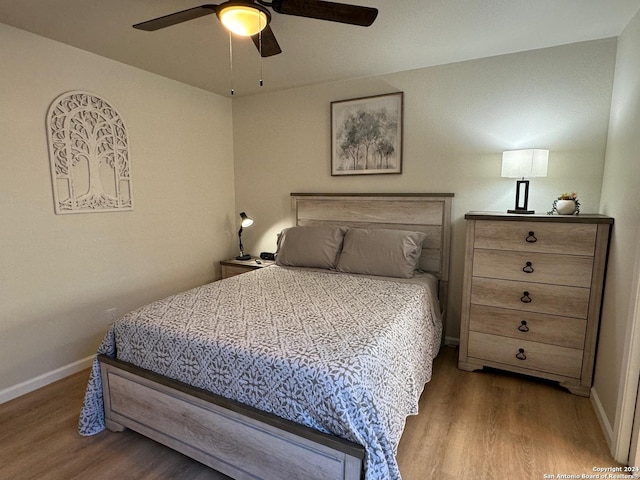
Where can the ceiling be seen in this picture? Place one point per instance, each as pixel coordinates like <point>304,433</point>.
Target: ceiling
<point>407,34</point>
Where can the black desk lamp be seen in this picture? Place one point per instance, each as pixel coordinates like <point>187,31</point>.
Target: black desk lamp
<point>245,222</point>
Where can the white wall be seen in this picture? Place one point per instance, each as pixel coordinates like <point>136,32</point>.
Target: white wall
<point>59,273</point>
<point>458,119</point>
<point>620,199</point>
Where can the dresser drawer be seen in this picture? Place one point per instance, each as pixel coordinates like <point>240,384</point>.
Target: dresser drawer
<point>533,267</point>
<point>534,356</point>
<point>233,270</point>
<point>568,238</point>
<point>531,297</point>
<point>537,327</point>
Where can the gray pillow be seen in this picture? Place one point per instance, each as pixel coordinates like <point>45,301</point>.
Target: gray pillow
<point>388,253</point>
<point>313,247</point>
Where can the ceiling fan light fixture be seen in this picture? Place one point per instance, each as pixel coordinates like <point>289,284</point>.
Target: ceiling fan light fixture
<point>243,19</point>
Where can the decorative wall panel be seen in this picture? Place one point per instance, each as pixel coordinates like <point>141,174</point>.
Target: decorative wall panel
<point>89,153</point>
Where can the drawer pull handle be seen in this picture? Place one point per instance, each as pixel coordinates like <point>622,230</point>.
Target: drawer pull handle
<point>531,238</point>
<point>521,355</point>
<point>523,326</point>
<point>528,268</point>
<point>525,298</point>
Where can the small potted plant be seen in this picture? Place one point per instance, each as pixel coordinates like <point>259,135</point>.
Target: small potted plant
<point>566,204</point>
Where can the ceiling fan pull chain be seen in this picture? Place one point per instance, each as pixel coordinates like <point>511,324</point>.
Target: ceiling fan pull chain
<point>260,43</point>
<point>231,62</point>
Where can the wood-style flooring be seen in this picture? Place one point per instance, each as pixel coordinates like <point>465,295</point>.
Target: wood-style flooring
<point>479,425</point>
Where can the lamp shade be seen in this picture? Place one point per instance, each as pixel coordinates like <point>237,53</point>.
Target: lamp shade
<point>243,18</point>
<point>525,163</point>
<point>246,221</point>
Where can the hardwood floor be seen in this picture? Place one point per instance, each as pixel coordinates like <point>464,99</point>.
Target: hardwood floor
<point>487,425</point>
<point>476,425</point>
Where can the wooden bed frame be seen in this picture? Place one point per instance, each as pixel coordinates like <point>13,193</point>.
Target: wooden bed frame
<point>246,443</point>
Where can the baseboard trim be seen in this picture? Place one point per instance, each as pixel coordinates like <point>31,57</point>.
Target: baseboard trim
<point>23,388</point>
<point>605,425</point>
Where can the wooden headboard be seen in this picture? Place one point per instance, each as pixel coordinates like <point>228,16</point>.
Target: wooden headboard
<point>421,212</point>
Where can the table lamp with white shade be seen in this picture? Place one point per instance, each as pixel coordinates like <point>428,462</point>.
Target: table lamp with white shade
<point>524,164</point>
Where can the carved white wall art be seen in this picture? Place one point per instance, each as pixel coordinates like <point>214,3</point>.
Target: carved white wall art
<point>89,154</point>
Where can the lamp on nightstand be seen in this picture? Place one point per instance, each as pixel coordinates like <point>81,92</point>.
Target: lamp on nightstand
<point>245,222</point>
<point>524,164</point>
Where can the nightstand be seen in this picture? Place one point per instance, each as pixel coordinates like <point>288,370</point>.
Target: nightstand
<point>234,267</point>
<point>531,296</point>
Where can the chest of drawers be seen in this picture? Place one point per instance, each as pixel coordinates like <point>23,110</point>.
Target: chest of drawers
<point>532,292</point>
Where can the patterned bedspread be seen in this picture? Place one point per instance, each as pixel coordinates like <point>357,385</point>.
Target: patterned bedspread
<point>343,354</point>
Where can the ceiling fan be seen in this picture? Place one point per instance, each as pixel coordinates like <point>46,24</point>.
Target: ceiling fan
<point>251,18</point>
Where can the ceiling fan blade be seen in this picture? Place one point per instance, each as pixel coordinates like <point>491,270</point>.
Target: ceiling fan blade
<point>175,18</point>
<point>270,45</point>
<point>321,10</point>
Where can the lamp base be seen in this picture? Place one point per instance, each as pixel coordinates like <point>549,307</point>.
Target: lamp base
<point>246,256</point>
<point>522,211</point>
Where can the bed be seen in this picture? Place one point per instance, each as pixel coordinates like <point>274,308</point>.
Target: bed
<point>316,361</point>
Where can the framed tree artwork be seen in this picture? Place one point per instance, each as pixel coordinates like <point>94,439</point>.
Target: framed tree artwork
<point>89,155</point>
<point>366,135</point>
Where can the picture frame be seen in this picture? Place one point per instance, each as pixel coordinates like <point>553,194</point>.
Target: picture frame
<point>366,135</point>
